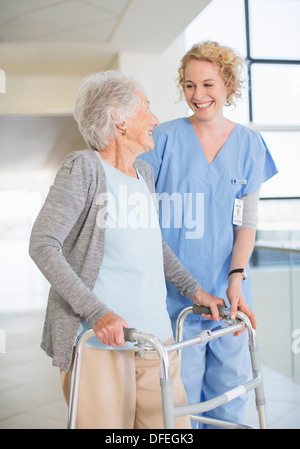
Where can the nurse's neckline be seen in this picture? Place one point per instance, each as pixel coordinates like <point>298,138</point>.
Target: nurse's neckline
<point>216,154</point>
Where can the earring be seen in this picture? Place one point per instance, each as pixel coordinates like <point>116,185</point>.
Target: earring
<point>124,131</point>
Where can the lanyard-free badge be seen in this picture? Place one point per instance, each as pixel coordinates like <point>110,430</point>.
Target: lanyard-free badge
<point>238,212</point>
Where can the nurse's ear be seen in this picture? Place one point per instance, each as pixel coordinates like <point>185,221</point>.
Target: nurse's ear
<point>228,97</point>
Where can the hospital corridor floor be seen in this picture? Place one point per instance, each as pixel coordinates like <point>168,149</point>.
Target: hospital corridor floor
<point>30,391</point>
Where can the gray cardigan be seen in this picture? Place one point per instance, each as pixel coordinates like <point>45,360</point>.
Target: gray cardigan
<point>67,245</point>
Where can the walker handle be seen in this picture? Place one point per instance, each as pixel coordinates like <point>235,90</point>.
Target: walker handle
<point>128,334</point>
<point>198,310</point>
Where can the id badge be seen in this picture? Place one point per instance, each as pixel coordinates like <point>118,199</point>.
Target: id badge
<point>238,212</point>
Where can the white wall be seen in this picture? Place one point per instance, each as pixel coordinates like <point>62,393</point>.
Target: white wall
<point>39,94</point>
<point>34,93</point>
<point>160,72</point>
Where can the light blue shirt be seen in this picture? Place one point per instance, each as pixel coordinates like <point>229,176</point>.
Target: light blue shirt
<point>131,280</point>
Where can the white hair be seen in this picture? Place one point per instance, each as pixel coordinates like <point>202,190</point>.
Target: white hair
<point>104,100</point>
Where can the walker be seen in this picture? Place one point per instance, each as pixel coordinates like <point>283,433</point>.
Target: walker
<point>148,342</point>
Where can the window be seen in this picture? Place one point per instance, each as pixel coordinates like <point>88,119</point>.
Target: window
<point>274,29</point>
<point>266,33</point>
<point>275,94</point>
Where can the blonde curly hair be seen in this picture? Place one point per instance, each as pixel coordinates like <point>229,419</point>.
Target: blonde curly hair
<point>231,67</point>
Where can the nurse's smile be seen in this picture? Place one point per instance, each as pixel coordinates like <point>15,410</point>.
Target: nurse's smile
<point>203,106</point>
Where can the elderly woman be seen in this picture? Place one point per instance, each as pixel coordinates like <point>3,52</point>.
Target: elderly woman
<point>224,163</point>
<point>98,242</point>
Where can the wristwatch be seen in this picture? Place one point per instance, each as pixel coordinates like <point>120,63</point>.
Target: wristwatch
<point>239,270</point>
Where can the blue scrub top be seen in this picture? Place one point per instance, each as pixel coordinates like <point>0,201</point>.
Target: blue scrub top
<point>201,231</point>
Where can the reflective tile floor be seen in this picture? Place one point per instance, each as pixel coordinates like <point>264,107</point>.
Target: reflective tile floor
<point>31,397</point>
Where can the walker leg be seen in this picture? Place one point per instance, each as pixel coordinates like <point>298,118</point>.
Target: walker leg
<point>168,403</point>
<point>74,391</point>
<point>259,390</point>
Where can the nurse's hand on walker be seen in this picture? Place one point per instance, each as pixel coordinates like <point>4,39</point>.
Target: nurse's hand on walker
<point>238,302</point>
<point>203,298</point>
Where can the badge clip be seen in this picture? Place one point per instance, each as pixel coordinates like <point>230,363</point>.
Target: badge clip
<point>238,181</point>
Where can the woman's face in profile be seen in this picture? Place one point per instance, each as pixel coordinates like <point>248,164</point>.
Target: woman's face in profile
<point>141,125</point>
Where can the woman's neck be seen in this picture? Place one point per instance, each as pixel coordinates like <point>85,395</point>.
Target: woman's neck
<point>213,127</point>
<point>120,158</point>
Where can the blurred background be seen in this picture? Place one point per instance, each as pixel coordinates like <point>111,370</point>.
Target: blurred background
<point>46,48</point>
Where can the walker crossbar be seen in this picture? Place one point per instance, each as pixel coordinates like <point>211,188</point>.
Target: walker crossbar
<point>147,342</point>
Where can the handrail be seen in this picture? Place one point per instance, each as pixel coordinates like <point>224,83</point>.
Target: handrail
<point>282,248</point>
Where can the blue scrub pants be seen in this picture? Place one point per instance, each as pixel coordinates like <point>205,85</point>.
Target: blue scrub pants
<point>214,368</point>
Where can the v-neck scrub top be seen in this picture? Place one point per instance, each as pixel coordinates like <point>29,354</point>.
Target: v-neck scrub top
<point>201,231</point>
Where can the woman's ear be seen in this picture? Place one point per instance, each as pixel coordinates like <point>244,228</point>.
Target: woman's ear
<point>122,127</point>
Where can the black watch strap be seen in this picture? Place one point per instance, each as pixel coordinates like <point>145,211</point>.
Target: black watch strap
<point>238,270</point>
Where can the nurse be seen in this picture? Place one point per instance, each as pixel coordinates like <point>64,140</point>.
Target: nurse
<point>211,169</point>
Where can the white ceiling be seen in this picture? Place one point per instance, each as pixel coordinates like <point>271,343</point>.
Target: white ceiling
<point>71,36</point>
<point>60,20</point>
<point>35,33</point>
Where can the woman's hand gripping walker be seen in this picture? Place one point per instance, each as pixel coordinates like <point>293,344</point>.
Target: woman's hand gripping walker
<point>146,342</point>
